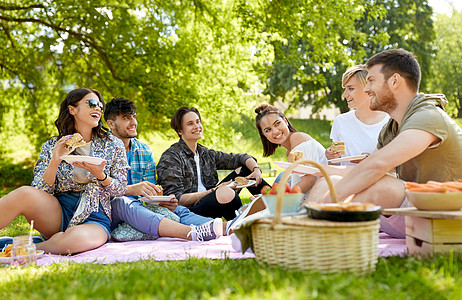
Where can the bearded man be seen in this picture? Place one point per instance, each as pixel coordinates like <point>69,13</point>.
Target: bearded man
<point>419,143</point>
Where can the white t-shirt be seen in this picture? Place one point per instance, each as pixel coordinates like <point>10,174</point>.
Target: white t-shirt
<point>80,175</point>
<point>312,150</point>
<point>200,185</point>
<point>358,137</point>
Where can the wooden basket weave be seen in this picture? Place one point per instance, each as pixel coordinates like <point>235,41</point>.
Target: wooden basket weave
<point>303,243</point>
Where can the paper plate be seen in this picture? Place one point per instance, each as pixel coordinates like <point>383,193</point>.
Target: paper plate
<point>82,158</point>
<point>347,158</point>
<point>155,199</point>
<point>298,169</point>
<point>251,182</point>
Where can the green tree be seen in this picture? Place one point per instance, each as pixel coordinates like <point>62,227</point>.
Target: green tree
<point>215,55</point>
<point>382,24</point>
<point>161,54</point>
<point>447,66</point>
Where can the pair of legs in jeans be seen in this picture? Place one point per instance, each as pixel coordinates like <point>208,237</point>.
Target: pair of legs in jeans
<point>210,207</point>
<point>127,209</point>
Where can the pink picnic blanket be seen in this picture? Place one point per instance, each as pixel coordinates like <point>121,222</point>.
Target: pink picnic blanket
<point>179,249</point>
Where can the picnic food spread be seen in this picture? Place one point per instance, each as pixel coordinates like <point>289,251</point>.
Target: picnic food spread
<point>435,187</point>
<point>434,195</point>
<point>7,252</point>
<point>344,212</point>
<point>267,190</point>
<point>76,140</point>
<point>295,155</point>
<point>338,147</point>
<point>292,198</point>
<point>343,206</point>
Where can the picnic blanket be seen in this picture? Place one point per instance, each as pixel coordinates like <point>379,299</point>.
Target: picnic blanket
<point>164,249</point>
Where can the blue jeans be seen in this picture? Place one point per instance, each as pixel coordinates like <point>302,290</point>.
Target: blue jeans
<point>187,217</point>
<point>69,202</point>
<point>133,212</point>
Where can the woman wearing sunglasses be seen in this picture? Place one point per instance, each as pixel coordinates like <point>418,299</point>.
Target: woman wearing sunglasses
<point>70,203</point>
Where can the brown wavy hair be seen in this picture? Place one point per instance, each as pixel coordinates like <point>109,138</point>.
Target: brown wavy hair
<point>65,121</point>
<point>263,110</point>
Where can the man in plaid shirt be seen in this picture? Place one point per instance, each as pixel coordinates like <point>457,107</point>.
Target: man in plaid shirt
<point>120,115</point>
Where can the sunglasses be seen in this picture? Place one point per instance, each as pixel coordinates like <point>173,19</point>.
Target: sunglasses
<point>93,103</point>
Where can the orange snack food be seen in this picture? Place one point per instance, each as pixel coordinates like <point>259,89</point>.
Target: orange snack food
<point>435,187</point>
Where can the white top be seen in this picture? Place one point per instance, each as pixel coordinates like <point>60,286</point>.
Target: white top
<point>200,185</point>
<point>80,175</point>
<point>358,137</point>
<point>312,150</point>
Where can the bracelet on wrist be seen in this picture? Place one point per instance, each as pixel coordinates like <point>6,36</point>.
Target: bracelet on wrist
<point>101,180</point>
<point>257,167</point>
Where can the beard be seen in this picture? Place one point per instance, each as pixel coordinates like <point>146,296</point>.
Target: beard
<point>385,101</point>
<point>123,133</point>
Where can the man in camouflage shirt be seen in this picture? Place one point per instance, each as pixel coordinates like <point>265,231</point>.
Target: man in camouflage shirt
<point>189,170</point>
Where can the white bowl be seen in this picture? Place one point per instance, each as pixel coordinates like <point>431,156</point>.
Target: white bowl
<point>435,201</point>
<point>290,203</point>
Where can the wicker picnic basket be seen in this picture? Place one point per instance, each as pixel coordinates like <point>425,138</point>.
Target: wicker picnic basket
<point>303,243</point>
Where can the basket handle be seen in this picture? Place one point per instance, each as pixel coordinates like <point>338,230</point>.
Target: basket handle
<point>285,179</point>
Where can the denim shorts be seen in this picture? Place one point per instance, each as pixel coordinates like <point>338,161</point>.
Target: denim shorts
<point>70,201</point>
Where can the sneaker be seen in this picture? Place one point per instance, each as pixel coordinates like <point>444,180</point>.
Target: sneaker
<point>6,240</point>
<point>207,231</point>
<point>255,206</point>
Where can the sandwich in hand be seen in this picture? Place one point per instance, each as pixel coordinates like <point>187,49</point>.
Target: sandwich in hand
<point>241,181</point>
<point>161,193</point>
<point>295,155</point>
<point>76,140</point>
<point>338,147</point>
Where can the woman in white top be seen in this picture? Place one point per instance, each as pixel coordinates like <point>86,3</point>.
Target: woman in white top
<point>360,127</point>
<point>275,130</point>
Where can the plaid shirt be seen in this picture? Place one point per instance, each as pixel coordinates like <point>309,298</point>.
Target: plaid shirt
<point>177,171</point>
<point>142,163</point>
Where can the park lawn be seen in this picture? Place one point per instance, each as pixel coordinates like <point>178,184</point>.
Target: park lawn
<point>395,278</point>
<point>439,277</point>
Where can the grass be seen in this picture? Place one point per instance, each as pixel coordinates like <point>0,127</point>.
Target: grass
<point>439,277</point>
<point>395,278</point>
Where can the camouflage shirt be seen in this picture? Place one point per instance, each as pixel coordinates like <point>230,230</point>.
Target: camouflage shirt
<point>177,171</point>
